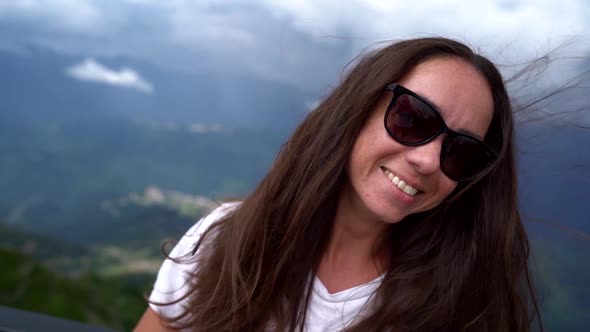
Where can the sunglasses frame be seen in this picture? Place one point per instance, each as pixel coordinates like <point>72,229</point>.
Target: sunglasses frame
<point>398,91</point>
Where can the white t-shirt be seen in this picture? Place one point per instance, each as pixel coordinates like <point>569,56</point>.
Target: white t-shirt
<point>326,312</point>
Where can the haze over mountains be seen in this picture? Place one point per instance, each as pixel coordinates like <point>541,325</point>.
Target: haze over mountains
<point>42,107</point>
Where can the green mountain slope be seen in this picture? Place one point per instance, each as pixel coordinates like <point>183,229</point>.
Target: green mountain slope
<point>41,246</point>
<point>25,284</point>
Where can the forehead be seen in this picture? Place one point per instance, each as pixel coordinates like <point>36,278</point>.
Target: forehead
<point>459,91</point>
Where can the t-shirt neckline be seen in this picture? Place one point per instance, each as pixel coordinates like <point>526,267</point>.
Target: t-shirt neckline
<point>353,293</point>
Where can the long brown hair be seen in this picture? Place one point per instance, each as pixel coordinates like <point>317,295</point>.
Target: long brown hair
<point>462,266</point>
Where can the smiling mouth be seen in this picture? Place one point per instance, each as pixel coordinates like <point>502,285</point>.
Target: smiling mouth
<point>399,183</point>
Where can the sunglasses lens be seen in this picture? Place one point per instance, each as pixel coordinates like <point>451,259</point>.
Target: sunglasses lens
<point>463,157</point>
<point>411,121</point>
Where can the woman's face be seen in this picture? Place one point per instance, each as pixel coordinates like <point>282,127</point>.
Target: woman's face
<point>463,97</point>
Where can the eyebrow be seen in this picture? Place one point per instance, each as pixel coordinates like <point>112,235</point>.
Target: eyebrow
<point>459,130</point>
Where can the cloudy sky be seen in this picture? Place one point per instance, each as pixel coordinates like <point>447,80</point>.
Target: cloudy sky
<point>303,43</point>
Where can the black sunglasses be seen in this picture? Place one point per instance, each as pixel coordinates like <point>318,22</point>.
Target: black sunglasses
<point>413,121</point>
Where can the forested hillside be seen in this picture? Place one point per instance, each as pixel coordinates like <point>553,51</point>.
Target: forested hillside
<point>26,284</point>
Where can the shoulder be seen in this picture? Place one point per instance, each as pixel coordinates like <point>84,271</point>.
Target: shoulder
<point>171,283</point>
<point>186,244</point>
<point>196,231</point>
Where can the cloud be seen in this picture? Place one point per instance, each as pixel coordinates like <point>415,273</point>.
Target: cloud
<point>201,128</point>
<point>304,43</point>
<point>506,30</point>
<point>233,26</point>
<point>91,70</point>
<point>80,15</point>
<point>195,127</point>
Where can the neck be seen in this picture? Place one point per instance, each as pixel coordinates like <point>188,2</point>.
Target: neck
<point>350,258</point>
<point>355,236</point>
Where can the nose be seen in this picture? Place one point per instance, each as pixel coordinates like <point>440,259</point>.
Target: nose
<point>425,159</point>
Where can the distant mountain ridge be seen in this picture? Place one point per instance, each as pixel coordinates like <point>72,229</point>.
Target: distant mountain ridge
<point>35,85</point>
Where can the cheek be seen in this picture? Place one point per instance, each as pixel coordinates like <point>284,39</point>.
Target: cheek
<point>446,187</point>
<point>449,186</point>
<point>372,150</point>
<point>362,151</point>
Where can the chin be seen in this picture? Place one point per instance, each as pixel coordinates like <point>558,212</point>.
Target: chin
<point>387,213</point>
<point>394,219</point>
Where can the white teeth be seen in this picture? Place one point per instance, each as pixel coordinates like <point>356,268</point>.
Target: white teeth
<point>401,184</point>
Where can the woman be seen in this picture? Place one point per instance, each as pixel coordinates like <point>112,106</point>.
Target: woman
<point>393,207</point>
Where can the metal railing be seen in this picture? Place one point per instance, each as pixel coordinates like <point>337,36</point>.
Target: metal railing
<point>16,320</point>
